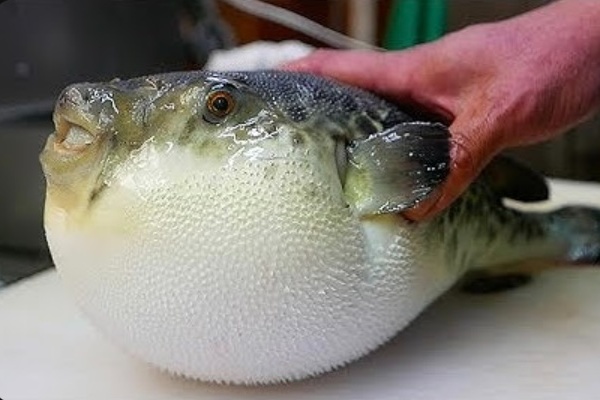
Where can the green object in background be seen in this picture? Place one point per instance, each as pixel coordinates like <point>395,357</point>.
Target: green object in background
<point>414,21</point>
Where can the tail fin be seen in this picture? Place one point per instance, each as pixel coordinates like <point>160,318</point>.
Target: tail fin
<point>568,236</point>
<point>579,228</point>
<point>498,247</point>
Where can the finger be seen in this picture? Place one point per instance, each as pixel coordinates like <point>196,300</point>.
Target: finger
<point>381,72</point>
<point>408,77</point>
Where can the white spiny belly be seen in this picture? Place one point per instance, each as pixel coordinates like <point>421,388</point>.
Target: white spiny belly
<point>249,272</point>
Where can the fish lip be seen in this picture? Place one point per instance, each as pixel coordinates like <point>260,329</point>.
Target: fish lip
<point>63,120</point>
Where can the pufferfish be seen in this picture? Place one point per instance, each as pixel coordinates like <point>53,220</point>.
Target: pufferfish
<point>246,227</point>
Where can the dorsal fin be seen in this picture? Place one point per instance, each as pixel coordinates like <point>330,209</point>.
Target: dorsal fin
<point>514,180</point>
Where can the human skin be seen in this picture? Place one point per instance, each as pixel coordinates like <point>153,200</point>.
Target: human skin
<point>498,85</point>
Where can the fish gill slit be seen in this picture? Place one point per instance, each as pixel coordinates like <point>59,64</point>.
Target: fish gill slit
<point>100,185</point>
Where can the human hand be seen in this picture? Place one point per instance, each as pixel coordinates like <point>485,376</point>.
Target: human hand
<point>499,85</point>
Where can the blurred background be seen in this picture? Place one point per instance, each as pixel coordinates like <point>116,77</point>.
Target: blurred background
<point>47,44</point>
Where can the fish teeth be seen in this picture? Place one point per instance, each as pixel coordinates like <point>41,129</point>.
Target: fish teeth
<point>77,136</point>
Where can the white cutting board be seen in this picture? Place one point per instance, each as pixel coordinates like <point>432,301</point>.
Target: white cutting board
<point>538,342</point>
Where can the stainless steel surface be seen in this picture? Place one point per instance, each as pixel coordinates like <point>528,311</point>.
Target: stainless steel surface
<point>23,248</point>
<point>49,44</point>
<point>22,183</point>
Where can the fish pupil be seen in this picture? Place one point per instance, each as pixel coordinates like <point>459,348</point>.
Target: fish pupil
<point>221,104</point>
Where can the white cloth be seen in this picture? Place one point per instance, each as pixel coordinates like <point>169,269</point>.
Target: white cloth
<point>257,55</point>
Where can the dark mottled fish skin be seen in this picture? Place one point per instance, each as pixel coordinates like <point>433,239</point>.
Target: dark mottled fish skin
<point>479,232</point>
<point>300,95</point>
<point>479,220</point>
<point>320,95</point>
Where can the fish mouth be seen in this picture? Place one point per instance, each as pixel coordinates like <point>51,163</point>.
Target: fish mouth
<point>74,132</point>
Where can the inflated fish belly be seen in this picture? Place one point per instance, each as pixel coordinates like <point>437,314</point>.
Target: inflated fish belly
<point>245,227</point>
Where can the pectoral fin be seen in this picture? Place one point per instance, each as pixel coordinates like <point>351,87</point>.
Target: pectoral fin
<point>393,170</point>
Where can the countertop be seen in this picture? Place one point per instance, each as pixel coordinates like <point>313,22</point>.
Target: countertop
<point>541,341</point>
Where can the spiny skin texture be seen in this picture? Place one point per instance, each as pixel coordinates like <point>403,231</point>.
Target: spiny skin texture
<point>216,278</point>
<point>219,243</point>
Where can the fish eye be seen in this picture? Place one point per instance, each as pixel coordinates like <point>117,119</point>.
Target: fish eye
<point>219,104</point>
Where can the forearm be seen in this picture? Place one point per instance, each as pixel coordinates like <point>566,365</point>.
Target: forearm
<point>563,49</point>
